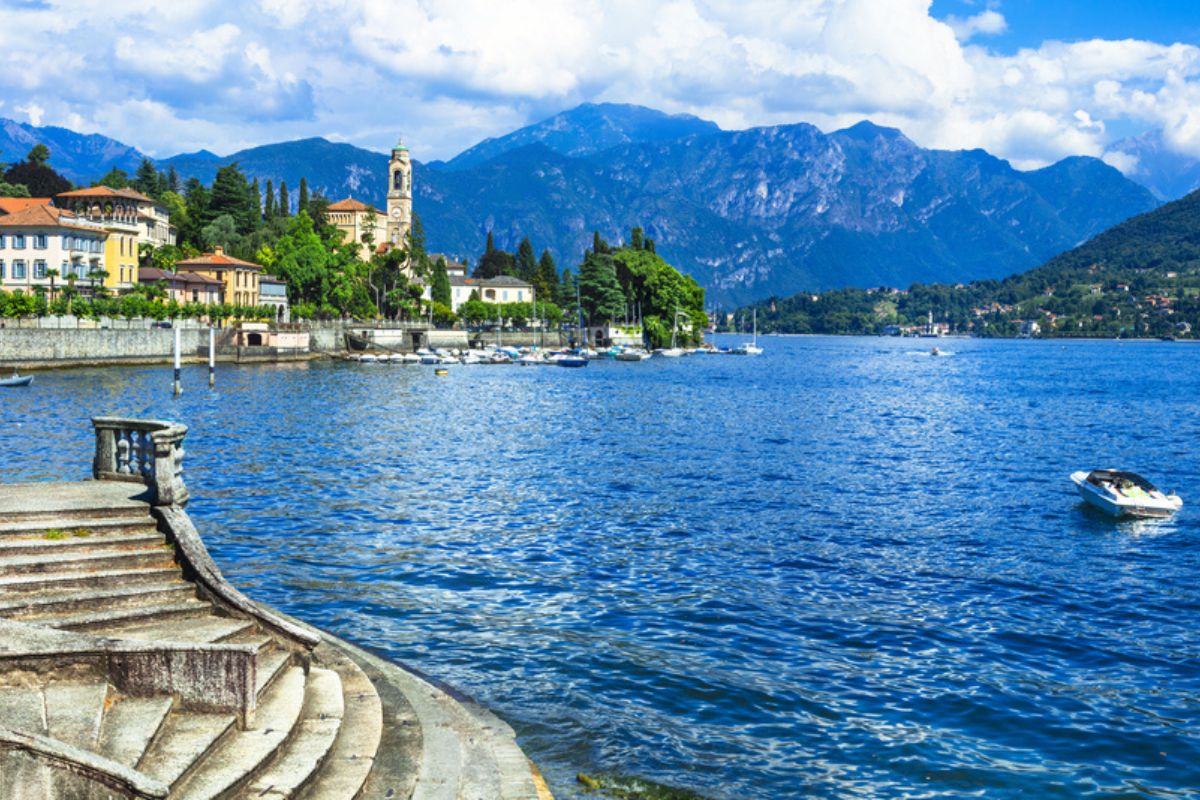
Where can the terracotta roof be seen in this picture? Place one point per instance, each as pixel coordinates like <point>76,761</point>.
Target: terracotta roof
<point>105,191</point>
<point>154,274</point>
<point>46,217</point>
<point>216,260</point>
<point>11,205</point>
<point>350,204</point>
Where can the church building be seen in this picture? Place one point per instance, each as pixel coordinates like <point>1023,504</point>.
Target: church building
<point>365,224</point>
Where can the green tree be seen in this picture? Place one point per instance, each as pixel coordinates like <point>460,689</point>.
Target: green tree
<point>39,155</point>
<point>13,190</point>
<point>115,179</point>
<point>222,232</point>
<point>173,182</point>
<point>494,262</point>
<point>525,263</point>
<point>600,294</point>
<point>440,290</point>
<point>148,180</point>
<point>35,174</point>
<point>230,195</point>
<point>302,203</point>
<point>285,200</point>
<point>269,202</point>
<point>546,280</point>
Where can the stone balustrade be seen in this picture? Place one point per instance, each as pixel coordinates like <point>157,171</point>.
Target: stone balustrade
<point>145,451</point>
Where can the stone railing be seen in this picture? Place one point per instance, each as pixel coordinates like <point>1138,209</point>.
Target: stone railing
<point>145,451</point>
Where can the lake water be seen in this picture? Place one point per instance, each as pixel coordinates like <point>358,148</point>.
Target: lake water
<point>843,569</point>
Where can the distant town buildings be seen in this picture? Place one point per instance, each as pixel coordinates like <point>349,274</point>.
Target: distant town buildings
<point>44,246</point>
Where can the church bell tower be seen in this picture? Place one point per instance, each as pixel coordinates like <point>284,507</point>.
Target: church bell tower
<point>399,198</point>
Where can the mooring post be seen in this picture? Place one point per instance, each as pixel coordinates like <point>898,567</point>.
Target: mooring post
<point>212,356</point>
<point>178,387</point>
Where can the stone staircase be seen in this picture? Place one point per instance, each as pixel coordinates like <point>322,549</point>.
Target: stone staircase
<point>328,721</point>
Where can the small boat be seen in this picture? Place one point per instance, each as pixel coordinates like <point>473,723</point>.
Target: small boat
<point>441,372</point>
<point>1124,494</point>
<point>750,348</point>
<point>411,358</point>
<point>632,355</point>
<point>670,352</point>
<point>571,361</point>
<point>935,352</point>
<point>16,380</point>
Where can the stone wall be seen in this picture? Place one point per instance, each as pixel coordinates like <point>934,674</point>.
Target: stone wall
<point>33,346</point>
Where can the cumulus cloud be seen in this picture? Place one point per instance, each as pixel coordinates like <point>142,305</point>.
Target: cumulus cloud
<point>168,76</point>
<point>988,23</point>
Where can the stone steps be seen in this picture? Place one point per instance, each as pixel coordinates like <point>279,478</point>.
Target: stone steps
<point>205,630</point>
<point>235,760</point>
<point>19,584</point>
<point>113,541</point>
<point>130,726</point>
<point>74,712</point>
<point>318,727</point>
<point>83,527</point>
<point>44,606</point>
<point>90,620</point>
<point>352,754</point>
<point>352,726</point>
<point>88,560</point>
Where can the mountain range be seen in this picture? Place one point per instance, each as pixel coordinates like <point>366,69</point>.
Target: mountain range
<point>752,213</point>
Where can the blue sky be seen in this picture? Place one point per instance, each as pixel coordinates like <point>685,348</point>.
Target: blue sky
<point>1031,22</point>
<point>1029,81</point>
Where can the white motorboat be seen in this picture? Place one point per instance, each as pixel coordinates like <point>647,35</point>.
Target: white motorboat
<point>1124,494</point>
<point>17,380</point>
<point>632,355</point>
<point>670,352</point>
<point>411,358</point>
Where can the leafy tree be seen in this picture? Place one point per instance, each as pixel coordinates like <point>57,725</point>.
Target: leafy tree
<point>600,294</point>
<point>222,232</point>
<point>115,179</point>
<point>440,289</point>
<point>39,155</point>
<point>443,315</point>
<point>37,177</point>
<point>13,190</point>
<point>197,213</point>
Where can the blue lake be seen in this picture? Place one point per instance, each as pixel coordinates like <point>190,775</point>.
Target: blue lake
<point>843,569</point>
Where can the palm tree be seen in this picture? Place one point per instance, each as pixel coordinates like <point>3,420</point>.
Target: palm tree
<point>51,274</point>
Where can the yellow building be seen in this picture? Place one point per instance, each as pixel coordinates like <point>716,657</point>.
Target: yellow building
<point>118,212</point>
<point>239,278</point>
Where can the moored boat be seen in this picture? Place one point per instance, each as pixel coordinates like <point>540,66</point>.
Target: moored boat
<point>1124,494</point>
<point>17,380</point>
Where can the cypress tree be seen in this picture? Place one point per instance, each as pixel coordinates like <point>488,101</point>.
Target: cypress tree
<point>547,276</point>
<point>636,239</point>
<point>255,202</point>
<point>269,201</point>
<point>172,180</point>
<point>302,202</point>
<point>439,289</point>
<point>526,265</point>
<point>491,244</point>
<point>285,202</point>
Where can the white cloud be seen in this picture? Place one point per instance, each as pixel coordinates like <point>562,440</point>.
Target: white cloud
<point>988,23</point>
<point>34,112</point>
<point>168,76</point>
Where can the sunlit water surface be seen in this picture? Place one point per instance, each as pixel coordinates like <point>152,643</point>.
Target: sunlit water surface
<point>843,569</point>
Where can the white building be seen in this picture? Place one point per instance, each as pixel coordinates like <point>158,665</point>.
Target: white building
<point>500,290</point>
<point>41,239</point>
